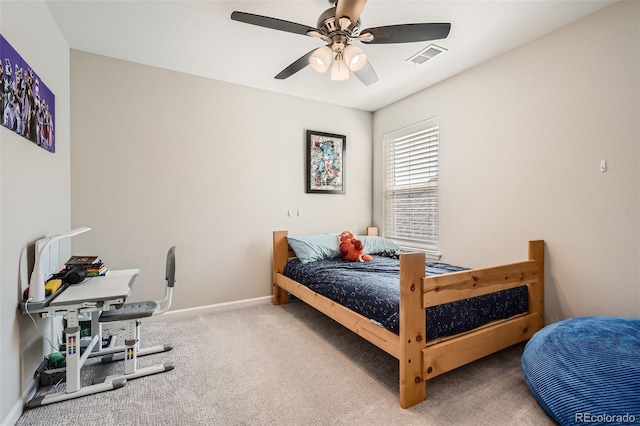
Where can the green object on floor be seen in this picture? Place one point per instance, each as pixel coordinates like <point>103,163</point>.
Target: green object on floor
<point>56,360</point>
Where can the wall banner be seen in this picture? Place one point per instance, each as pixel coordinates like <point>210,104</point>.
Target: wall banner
<point>27,106</point>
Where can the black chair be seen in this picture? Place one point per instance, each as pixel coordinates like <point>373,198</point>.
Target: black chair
<point>132,313</point>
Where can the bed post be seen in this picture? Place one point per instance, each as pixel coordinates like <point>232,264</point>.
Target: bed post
<point>280,257</point>
<point>413,333</point>
<point>536,294</point>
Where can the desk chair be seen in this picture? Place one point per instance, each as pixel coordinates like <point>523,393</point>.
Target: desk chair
<point>131,313</point>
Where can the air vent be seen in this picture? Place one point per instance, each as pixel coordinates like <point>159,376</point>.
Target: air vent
<point>425,54</point>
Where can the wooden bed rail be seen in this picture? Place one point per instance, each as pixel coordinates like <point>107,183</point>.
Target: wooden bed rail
<point>456,286</point>
<point>362,326</point>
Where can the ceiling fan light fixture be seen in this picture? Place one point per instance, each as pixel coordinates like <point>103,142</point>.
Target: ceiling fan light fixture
<point>339,70</point>
<point>321,59</point>
<point>354,57</point>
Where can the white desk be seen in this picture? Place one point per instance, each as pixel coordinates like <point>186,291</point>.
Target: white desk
<point>94,294</point>
<point>114,287</point>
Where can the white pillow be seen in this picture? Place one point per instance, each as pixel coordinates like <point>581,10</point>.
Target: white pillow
<point>374,244</point>
<point>310,248</point>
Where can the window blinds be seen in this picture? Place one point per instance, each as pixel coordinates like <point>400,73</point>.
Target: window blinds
<point>411,184</point>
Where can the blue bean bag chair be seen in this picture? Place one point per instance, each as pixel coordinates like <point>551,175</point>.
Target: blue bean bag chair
<point>586,370</point>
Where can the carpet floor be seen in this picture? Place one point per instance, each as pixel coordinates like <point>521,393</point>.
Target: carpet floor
<point>288,365</point>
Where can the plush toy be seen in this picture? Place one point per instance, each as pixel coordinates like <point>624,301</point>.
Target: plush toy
<point>352,249</point>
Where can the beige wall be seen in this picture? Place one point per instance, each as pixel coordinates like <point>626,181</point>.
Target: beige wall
<point>162,158</point>
<point>522,137</point>
<point>34,194</point>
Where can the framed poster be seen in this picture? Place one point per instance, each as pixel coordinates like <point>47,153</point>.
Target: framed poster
<point>325,166</point>
<point>27,106</point>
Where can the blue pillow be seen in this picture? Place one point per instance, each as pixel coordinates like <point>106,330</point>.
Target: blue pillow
<point>310,248</point>
<point>374,244</point>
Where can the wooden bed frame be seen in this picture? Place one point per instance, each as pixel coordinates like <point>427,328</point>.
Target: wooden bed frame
<point>421,360</point>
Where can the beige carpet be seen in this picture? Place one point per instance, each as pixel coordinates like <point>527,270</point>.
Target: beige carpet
<point>290,365</point>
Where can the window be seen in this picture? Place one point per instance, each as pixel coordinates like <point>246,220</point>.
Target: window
<point>411,185</point>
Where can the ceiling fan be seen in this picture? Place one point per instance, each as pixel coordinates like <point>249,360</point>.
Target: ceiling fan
<point>338,26</point>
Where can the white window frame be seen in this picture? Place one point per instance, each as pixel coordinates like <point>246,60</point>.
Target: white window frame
<point>411,167</point>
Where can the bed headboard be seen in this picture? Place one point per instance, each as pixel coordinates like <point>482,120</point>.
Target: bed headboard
<point>282,251</point>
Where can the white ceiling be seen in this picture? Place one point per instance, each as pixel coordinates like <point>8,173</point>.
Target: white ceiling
<point>198,37</point>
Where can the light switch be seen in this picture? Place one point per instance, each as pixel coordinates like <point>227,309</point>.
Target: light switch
<point>603,166</point>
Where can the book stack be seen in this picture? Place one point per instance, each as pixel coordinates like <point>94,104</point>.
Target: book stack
<point>91,264</point>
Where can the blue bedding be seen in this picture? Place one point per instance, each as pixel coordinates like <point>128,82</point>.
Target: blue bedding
<point>372,290</point>
<point>586,370</point>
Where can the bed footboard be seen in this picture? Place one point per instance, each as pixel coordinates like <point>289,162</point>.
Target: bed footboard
<point>462,349</point>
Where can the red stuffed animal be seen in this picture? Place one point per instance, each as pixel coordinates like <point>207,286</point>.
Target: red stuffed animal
<point>352,249</point>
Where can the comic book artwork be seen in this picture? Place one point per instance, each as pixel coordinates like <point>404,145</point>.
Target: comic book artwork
<point>27,106</point>
<point>325,162</point>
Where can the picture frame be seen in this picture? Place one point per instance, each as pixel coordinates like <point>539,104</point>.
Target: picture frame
<point>325,165</point>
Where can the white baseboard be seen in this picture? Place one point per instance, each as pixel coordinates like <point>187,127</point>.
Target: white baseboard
<point>220,307</point>
<point>16,411</point>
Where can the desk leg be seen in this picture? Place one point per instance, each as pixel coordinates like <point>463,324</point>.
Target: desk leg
<point>131,347</point>
<point>74,363</point>
<point>96,330</point>
<point>73,351</point>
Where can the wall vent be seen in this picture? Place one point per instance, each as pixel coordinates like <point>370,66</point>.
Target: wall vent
<point>425,54</point>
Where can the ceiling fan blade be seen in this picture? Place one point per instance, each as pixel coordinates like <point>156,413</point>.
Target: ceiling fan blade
<point>367,74</point>
<point>350,8</point>
<point>300,63</point>
<point>407,33</point>
<point>273,23</point>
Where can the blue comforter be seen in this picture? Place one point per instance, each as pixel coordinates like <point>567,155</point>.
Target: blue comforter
<point>372,290</point>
